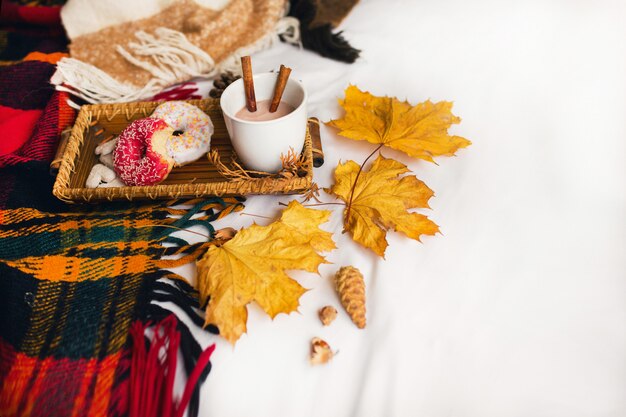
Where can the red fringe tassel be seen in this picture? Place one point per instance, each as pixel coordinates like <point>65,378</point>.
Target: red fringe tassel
<point>153,370</point>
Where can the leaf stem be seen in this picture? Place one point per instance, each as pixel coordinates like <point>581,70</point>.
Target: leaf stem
<point>255,215</point>
<point>316,204</point>
<point>349,206</point>
<point>323,204</point>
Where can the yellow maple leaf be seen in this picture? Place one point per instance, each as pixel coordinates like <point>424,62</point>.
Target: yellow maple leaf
<point>380,202</point>
<point>420,131</point>
<point>251,267</point>
<point>302,224</point>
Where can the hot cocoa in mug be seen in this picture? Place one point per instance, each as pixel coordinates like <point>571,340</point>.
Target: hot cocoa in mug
<point>261,137</point>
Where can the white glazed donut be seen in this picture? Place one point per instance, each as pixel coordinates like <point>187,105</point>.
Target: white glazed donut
<point>196,126</point>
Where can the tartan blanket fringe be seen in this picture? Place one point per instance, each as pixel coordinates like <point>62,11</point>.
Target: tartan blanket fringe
<point>73,284</point>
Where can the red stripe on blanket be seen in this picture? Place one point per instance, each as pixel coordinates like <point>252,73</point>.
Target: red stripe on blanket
<point>38,15</point>
<point>42,144</point>
<point>43,387</point>
<point>16,127</point>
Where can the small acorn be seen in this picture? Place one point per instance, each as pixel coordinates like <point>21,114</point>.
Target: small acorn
<point>320,352</point>
<point>351,289</point>
<point>225,234</point>
<point>327,315</point>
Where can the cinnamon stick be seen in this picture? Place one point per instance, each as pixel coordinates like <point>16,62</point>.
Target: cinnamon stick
<point>248,83</point>
<point>281,82</point>
<point>316,142</point>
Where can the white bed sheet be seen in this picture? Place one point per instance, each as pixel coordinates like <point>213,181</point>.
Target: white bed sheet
<point>519,307</point>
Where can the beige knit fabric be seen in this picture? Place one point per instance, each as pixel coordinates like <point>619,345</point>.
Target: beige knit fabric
<point>131,52</point>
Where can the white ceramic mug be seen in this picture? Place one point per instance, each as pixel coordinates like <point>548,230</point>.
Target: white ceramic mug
<point>259,145</point>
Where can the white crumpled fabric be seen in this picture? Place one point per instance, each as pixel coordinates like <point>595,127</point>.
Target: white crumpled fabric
<point>518,308</point>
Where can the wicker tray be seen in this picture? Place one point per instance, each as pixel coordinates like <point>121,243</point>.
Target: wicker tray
<point>196,179</point>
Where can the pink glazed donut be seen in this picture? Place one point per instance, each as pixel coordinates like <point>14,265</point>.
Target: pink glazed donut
<point>140,156</point>
<point>195,126</point>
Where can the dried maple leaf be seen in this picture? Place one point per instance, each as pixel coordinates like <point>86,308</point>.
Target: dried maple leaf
<point>420,131</point>
<point>380,202</point>
<point>251,267</point>
<point>301,224</point>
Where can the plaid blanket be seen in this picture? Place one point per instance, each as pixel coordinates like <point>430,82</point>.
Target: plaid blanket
<point>78,283</point>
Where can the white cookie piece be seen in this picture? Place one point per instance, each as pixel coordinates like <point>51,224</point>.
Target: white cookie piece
<point>106,148</point>
<point>99,173</point>
<point>107,160</point>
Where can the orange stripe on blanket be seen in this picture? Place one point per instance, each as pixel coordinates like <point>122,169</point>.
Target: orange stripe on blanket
<point>66,113</point>
<point>23,214</point>
<point>73,269</point>
<point>16,216</point>
<point>51,58</point>
<point>102,393</point>
<point>90,372</point>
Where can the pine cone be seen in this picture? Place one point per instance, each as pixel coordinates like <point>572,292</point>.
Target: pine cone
<point>221,82</point>
<point>351,289</point>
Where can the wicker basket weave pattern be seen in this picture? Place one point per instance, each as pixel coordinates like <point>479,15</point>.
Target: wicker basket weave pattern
<point>197,179</point>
